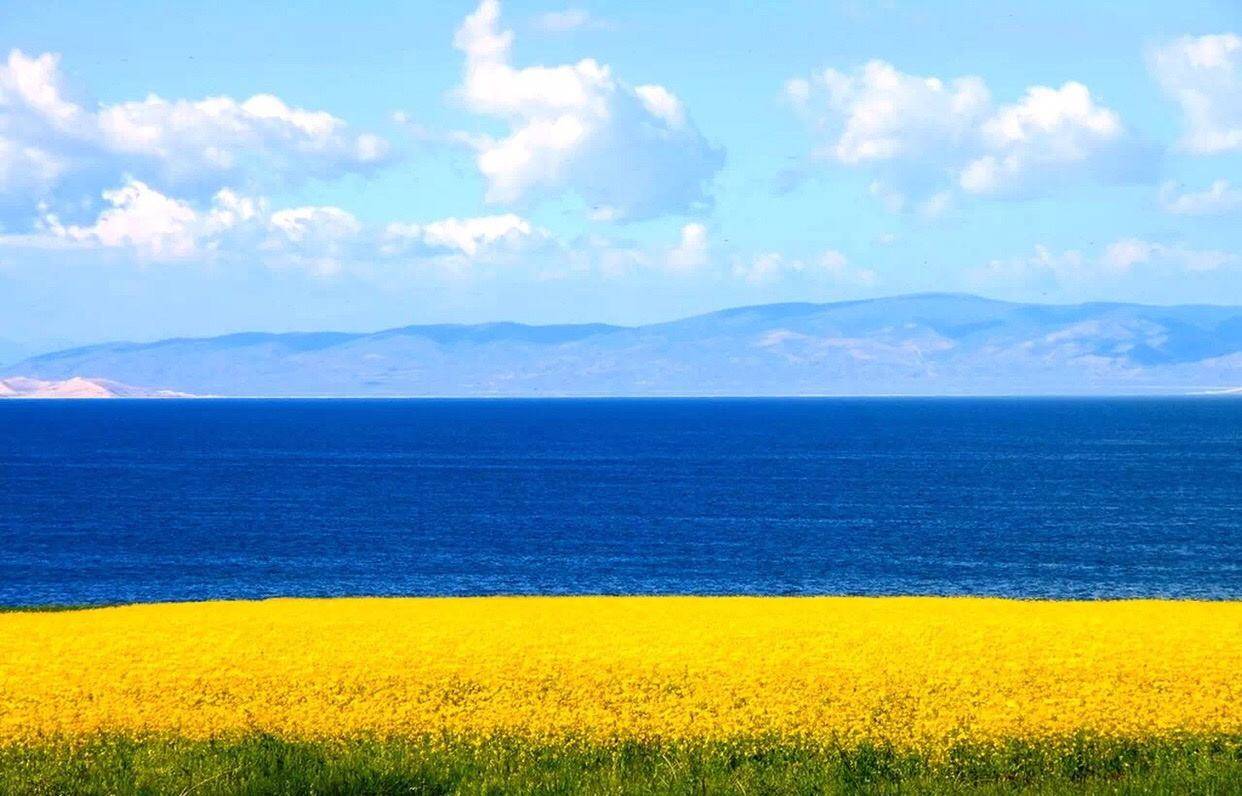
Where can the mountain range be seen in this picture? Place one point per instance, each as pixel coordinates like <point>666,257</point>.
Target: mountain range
<point>907,345</point>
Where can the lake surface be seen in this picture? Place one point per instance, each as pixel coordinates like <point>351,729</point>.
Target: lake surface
<point>171,500</point>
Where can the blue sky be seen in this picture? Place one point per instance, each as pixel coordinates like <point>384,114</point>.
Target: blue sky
<point>199,168</point>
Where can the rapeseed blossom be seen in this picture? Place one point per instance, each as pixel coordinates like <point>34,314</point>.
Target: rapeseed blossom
<point>917,673</point>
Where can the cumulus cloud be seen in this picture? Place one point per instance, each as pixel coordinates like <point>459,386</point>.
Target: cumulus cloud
<point>627,151</point>
<point>878,113</point>
<point>150,226</point>
<point>1220,197</point>
<point>466,236</point>
<point>155,226</point>
<point>48,136</point>
<point>34,113</point>
<point>260,136</point>
<point>321,239</point>
<point>922,134</point>
<point>315,223</point>
<point>1203,74</point>
<point>1047,131</point>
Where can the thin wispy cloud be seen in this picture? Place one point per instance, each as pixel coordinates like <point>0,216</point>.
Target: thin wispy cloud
<point>570,19</point>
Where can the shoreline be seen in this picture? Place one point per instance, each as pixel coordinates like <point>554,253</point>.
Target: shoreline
<point>56,608</point>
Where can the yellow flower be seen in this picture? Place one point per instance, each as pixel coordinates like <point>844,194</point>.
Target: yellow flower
<point>918,673</point>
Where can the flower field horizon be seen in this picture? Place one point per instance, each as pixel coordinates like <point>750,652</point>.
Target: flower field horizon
<point>918,675</point>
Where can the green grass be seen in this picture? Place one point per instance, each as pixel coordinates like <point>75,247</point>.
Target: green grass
<point>266,765</point>
<point>50,608</point>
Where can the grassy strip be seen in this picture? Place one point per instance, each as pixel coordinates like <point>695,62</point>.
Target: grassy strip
<point>267,765</point>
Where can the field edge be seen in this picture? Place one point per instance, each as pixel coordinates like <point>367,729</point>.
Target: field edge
<point>262,763</point>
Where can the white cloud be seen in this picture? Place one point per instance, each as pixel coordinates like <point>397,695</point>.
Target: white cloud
<point>1049,131</point>
<point>1203,75</point>
<point>569,19</point>
<point>628,152</point>
<point>1220,197</point>
<point>143,225</point>
<point>1044,266</point>
<point>1048,270</point>
<point>155,226</point>
<point>230,209</point>
<point>922,134</point>
<point>320,239</point>
<point>1124,254</point>
<point>33,114</point>
<point>47,137</point>
<point>314,224</point>
<point>222,136</point>
<point>878,113</point>
<point>692,254</point>
<point>663,104</point>
<point>691,251</point>
<point>468,236</point>
<point>150,226</point>
<point>306,223</point>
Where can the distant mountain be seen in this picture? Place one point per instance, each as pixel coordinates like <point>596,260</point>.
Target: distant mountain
<point>922,344</point>
<point>13,351</point>
<point>77,387</point>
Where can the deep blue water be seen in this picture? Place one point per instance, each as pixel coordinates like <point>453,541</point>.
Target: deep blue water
<point>172,500</point>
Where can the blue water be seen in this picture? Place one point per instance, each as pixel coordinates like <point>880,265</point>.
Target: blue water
<point>149,500</point>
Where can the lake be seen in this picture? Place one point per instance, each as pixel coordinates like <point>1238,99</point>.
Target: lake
<point>122,501</point>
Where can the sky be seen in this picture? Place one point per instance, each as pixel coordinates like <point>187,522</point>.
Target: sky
<point>198,168</point>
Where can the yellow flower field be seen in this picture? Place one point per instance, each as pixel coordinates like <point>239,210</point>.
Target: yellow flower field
<point>919,673</point>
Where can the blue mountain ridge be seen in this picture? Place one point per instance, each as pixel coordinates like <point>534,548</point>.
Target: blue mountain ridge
<point>919,344</point>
